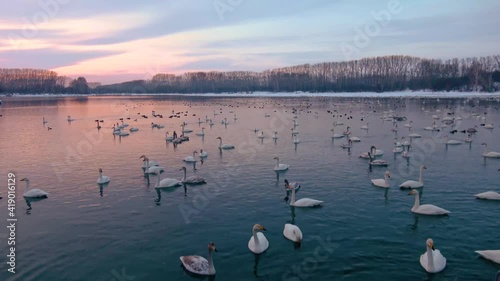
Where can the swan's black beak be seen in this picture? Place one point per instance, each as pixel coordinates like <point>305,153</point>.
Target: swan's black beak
<point>432,247</point>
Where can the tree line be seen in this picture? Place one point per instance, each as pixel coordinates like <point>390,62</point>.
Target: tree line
<point>378,74</point>
<point>36,81</point>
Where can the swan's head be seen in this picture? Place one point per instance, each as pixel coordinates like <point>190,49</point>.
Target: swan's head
<point>276,158</point>
<point>194,152</point>
<point>182,169</point>
<point>423,167</point>
<point>100,170</point>
<point>430,244</point>
<point>388,174</point>
<point>413,192</point>
<point>219,138</point>
<point>142,156</point>
<point>211,247</point>
<point>483,143</point>
<point>259,227</point>
<point>25,179</point>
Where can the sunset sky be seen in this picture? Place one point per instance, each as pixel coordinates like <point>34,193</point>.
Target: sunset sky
<point>115,41</point>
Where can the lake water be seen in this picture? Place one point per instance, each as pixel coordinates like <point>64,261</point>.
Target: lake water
<point>127,230</point>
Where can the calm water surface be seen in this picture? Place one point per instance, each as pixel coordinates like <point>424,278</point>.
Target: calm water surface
<point>127,230</point>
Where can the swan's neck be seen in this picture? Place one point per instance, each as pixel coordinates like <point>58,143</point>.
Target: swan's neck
<point>386,180</point>
<point>211,268</point>
<point>292,200</point>
<point>158,180</point>
<point>277,162</point>
<point>255,238</point>
<point>421,180</point>
<point>417,201</point>
<point>430,259</point>
<point>194,154</point>
<point>220,142</point>
<point>100,175</point>
<point>485,149</point>
<point>184,177</point>
<point>27,185</point>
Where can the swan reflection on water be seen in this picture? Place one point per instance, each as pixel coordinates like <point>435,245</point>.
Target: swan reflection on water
<point>101,188</point>
<point>166,190</point>
<point>30,200</point>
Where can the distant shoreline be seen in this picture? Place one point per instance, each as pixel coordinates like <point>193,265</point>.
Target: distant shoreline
<point>406,94</point>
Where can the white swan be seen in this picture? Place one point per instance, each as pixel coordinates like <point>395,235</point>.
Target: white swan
<point>191,179</point>
<point>202,133</point>
<point>432,260</point>
<point>200,265</point>
<point>489,126</point>
<point>304,202</point>
<point>203,154</point>
<point>291,185</point>
<point>426,209</point>
<point>261,135</point>
<point>397,149</point>
<point>146,163</point>
<point>293,233</point>
<point>166,182</point>
<point>377,162</point>
<point>414,184</point>
<point>33,193</point>
<point>347,145</point>
<point>451,142</point>
<point>355,139</point>
<point>225,146</point>
<point>374,152</point>
<point>296,140</point>
<point>488,195</point>
<point>167,138</point>
<point>102,179</point>
<point>275,137</point>
<point>492,255</point>
<point>190,159</point>
<point>490,154</point>
<point>365,127</point>
<point>382,182</point>
<point>294,133</point>
<point>409,125</point>
<point>336,136</point>
<point>280,167</point>
<point>258,242</point>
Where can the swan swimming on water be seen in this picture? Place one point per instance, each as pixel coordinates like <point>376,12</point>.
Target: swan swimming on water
<point>304,202</point>
<point>432,260</point>
<point>166,182</point>
<point>426,209</point>
<point>191,179</point>
<point>280,167</point>
<point>146,163</point>
<point>33,193</point>
<point>488,195</point>
<point>190,159</point>
<point>203,154</point>
<point>199,265</point>
<point>382,182</point>
<point>258,242</point>
<point>102,179</point>
<point>490,154</point>
<point>225,146</point>
<point>492,255</point>
<point>293,233</point>
<point>414,184</point>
